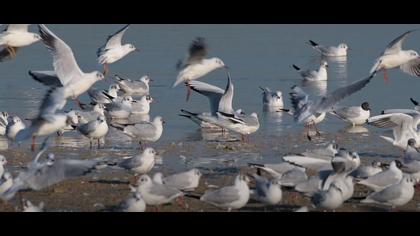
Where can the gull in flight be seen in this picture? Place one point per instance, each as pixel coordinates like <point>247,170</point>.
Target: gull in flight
<point>14,37</point>
<point>67,73</point>
<point>314,75</point>
<point>113,50</point>
<point>330,51</point>
<point>197,65</point>
<point>393,56</point>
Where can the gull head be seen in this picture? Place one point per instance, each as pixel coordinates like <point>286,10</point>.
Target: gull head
<point>3,160</point>
<point>51,159</point>
<point>99,75</point>
<point>343,46</point>
<point>131,47</point>
<point>412,142</point>
<point>145,79</point>
<point>35,37</point>
<point>149,151</point>
<point>101,119</point>
<point>99,108</point>
<point>324,64</point>
<point>242,178</point>
<point>412,54</point>
<point>254,115</point>
<point>144,180</point>
<point>279,94</point>
<point>365,106</point>
<point>376,164</point>
<point>333,147</point>
<point>114,87</point>
<point>16,120</point>
<point>72,118</point>
<point>197,172</point>
<point>7,176</point>
<point>217,63</point>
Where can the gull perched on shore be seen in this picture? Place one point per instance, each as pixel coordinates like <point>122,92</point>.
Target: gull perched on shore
<point>355,115</point>
<point>314,75</point>
<point>330,51</point>
<point>230,197</point>
<point>310,111</point>
<point>196,65</point>
<point>15,36</point>
<point>139,164</point>
<point>95,129</point>
<point>139,87</point>
<point>185,181</point>
<point>67,73</point>
<point>393,56</point>
<point>135,203</point>
<point>385,178</point>
<point>266,191</point>
<point>113,50</point>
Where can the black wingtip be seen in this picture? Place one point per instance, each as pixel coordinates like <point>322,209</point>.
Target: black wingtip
<point>313,43</point>
<point>414,102</point>
<point>296,67</point>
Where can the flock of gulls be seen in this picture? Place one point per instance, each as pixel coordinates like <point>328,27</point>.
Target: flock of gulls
<point>336,169</point>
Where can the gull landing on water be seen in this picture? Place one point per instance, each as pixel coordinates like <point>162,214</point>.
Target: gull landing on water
<point>14,37</point>
<point>196,65</point>
<point>393,56</point>
<point>113,50</point>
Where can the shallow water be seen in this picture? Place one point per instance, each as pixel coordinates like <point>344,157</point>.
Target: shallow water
<point>258,55</point>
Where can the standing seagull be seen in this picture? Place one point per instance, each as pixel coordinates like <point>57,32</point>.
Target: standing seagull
<point>14,37</point>
<point>67,73</point>
<point>96,129</point>
<point>332,51</point>
<point>113,50</point>
<point>394,56</point>
<point>196,65</point>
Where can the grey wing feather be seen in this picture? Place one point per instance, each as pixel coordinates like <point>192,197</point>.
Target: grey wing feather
<point>162,190</point>
<point>130,163</point>
<point>53,100</point>
<point>223,195</point>
<point>395,45</point>
<point>412,67</point>
<point>197,51</point>
<point>112,40</point>
<point>387,194</point>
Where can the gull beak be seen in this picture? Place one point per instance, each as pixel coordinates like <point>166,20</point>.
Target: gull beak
<point>226,67</point>
<point>163,122</point>
<point>137,50</point>
<point>134,101</point>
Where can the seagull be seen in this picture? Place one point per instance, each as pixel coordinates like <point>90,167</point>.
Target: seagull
<point>4,121</point>
<point>6,182</point>
<point>113,50</point>
<point>272,100</point>
<point>366,171</point>
<point>308,111</point>
<point>397,194</point>
<point>230,197</point>
<point>14,37</point>
<point>355,115</point>
<point>330,199</point>
<point>98,97</point>
<point>404,127</point>
<point>385,178</point>
<point>67,73</point>
<point>142,106</point>
<point>331,51</point>
<point>70,127</point>
<point>277,170</point>
<point>96,129</point>
<point>139,164</point>
<point>393,56</point>
<point>266,191</point>
<point>29,207</point>
<point>411,151</point>
<point>196,65</point>
<point>144,131</point>
<point>135,203</point>
<point>134,87</point>
<point>185,181</point>
<point>120,109</point>
<point>48,121</point>
<point>13,128</point>
<point>3,162</point>
<point>42,174</point>
<point>292,177</point>
<point>156,194</point>
<point>86,116</point>
<point>314,75</point>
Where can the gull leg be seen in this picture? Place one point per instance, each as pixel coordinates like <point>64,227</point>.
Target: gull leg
<point>307,132</point>
<point>386,79</point>
<point>180,202</point>
<point>189,91</point>
<point>99,143</point>
<point>33,144</point>
<point>316,129</point>
<point>91,145</point>
<point>106,69</point>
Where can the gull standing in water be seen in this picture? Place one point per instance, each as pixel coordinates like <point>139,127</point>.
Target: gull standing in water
<point>139,87</point>
<point>14,37</point>
<point>310,112</point>
<point>314,75</point>
<point>98,97</point>
<point>356,115</point>
<point>67,73</point>
<point>272,101</point>
<point>330,51</point>
<point>230,197</point>
<point>96,129</point>
<point>196,65</point>
<point>113,50</point>
<point>393,56</point>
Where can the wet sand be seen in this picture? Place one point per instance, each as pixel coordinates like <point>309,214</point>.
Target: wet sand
<point>219,162</point>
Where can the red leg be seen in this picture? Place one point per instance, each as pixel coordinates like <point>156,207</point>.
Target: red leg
<point>106,69</point>
<point>33,144</point>
<point>180,202</point>
<point>189,91</point>
<point>99,144</point>
<point>386,79</point>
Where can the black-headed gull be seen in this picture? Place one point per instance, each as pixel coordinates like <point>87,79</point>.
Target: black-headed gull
<point>14,37</point>
<point>142,106</point>
<point>134,203</point>
<point>366,171</point>
<point>385,178</point>
<point>330,199</point>
<point>67,73</point>
<point>397,194</point>
<point>113,50</point>
<point>266,191</point>
<point>196,65</point>
<point>138,87</point>
<point>230,197</point>
<point>355,115</point>
<point>143,132</point>
<point>393,56</point>
<point>309,111</point>
<point>95,129</point>
<point>272,101</point>
<point>330,51</point>
<point>404,127</point>
<point>98,96</point>
<point>185,181</point>
<point>14,126</point>
<point>139,164</point>
<point>314,75</point>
